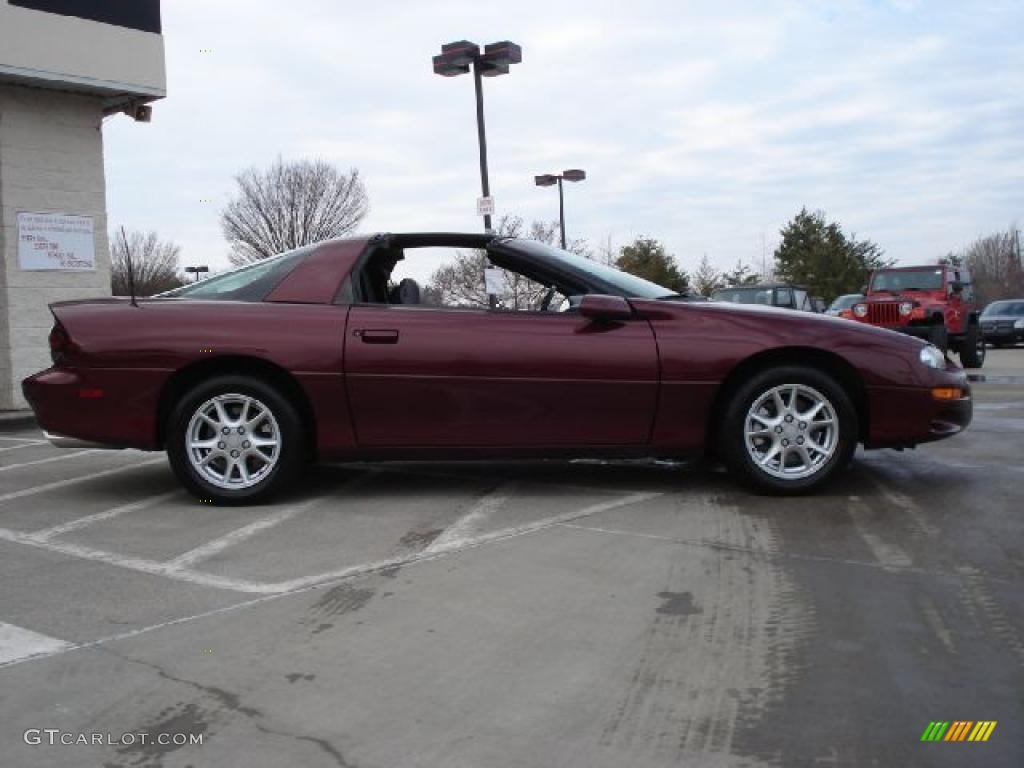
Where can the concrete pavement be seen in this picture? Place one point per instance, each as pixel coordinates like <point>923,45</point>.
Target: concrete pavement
<point>524,614</point>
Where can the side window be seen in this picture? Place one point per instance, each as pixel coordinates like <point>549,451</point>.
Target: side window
<point>451,277</point>
<point>783,297</point>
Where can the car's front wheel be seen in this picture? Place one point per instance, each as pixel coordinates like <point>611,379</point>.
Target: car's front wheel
<point>235,440</point>
<point>972,349</point>
<point>788,430</point>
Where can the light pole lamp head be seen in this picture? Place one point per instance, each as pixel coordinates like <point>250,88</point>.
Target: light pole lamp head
<point>574,174</point>
<point>456,58</point>
<point>498,57</point>
<point>545,180</point>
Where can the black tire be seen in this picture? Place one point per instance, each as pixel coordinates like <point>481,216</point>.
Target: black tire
<point>732,439</point>
<point>939,336</point>
<point>290,456</point>
<point>972,348</point>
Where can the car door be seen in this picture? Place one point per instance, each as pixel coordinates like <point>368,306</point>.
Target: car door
<point>419,376</point>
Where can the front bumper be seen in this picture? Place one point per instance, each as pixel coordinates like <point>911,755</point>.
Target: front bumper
<point>1005,335</point>
<point>903,417</point>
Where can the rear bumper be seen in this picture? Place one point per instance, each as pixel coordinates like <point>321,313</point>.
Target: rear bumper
<point>100,407</point>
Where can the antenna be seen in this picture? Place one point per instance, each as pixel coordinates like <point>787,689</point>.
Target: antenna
<point>131,273</point>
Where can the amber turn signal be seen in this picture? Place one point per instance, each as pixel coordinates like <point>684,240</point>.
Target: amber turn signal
<point>947,393</point>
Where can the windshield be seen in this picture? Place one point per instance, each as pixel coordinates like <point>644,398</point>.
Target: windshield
<point>845,302</point>
<point>249,283</point>
<point>629,285</point>
<point>747,295</point>
<point>1004,308</point>
<point>908,280</point>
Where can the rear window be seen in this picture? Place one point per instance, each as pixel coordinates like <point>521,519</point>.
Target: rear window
<point>744,295</point>
<point>253,282</point>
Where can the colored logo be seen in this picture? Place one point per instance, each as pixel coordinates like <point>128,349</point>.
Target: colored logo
<point>959,730</point>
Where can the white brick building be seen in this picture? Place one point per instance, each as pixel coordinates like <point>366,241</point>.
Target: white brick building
<point>64,65</point>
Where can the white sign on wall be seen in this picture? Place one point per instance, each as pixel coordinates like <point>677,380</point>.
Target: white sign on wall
<point>48,241</point>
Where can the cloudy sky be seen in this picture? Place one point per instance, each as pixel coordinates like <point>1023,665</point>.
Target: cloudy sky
<point>704,124</point>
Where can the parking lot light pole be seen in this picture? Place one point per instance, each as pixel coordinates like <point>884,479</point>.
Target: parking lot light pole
<point>549,179</point>
<point>457,59</point>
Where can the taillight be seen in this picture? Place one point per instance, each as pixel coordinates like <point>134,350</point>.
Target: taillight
<point>60,343</point>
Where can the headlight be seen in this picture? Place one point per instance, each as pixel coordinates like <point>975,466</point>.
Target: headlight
<point>1019,324</point>
<point>933,357</point>
<point>906,308</point>
<point>860,310</point>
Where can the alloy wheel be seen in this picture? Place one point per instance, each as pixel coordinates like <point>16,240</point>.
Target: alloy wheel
<point>791,431</point>
<point>233,441</point>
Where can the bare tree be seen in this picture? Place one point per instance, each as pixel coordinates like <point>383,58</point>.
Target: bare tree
<point>289,205</point>
<point>154,264</point>
<point>995,265</point>
<point>461,283</point>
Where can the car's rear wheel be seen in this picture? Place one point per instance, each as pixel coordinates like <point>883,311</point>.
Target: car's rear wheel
<point>788,430</point>
<point>235,440</point>
<point>972,348</point>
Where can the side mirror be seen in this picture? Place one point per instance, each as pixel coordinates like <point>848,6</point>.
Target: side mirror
<point>614,309</point>
<point>956,287</point>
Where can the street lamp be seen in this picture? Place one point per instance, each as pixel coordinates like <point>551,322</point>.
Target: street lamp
<point>457,59</point>
<point>196,270</point>
<point>549,179</point>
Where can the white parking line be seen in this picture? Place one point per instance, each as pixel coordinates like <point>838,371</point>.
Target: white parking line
<point>268,592</point>
<point>63,456</point>
<point>175,570</point>
<point>152,567</point>
<point>18,644</point>
<point>73,525</point>
<point>211,548</point>
<point>888,554</point>
<point>466,543</point>
<point>18,447</point>
<point>73,480</point>
<point>461,529</point>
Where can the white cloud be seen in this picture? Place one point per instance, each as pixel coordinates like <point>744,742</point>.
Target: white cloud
<point>704,126</point>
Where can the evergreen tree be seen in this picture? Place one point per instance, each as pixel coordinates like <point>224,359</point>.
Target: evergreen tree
<point>817,254</point>
<point>647,258</point>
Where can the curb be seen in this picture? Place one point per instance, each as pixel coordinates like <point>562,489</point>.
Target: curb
<point>16,419</point>
<point>997,379</point>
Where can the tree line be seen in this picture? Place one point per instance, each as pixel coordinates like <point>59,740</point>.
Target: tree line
<point>292,204</point>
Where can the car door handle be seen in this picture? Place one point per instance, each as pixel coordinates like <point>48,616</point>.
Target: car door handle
<point>378,336</point>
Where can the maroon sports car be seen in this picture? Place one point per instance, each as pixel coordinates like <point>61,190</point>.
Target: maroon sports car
<point>316,353</point>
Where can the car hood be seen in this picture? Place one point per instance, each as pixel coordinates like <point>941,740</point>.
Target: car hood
<point>919,296</point>
<point>789,322</point>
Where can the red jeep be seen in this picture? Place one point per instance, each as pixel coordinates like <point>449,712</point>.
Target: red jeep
<point>935,303</point>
